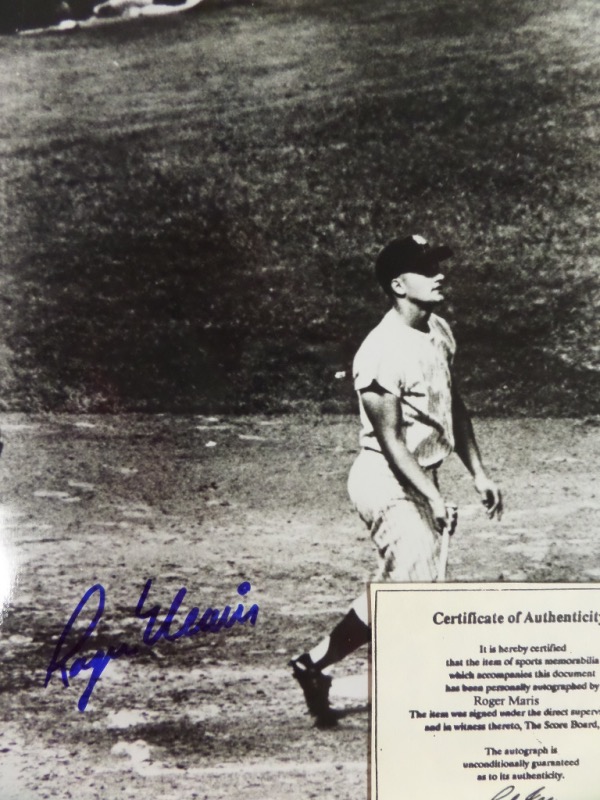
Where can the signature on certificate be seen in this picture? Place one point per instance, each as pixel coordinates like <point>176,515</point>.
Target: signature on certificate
<point>508,793</point>
<point>211,620</point>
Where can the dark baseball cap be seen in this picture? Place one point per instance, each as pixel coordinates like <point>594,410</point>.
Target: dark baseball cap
<point>410,254</point>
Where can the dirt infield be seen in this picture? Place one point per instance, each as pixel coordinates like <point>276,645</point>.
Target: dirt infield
<point>208,503</point>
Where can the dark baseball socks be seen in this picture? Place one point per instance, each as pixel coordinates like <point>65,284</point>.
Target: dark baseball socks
<point>347,636</point>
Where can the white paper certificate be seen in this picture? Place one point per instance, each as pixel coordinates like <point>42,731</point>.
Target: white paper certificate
<point>486,692</point>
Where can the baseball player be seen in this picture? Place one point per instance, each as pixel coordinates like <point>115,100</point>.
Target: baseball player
<point>412,417</point>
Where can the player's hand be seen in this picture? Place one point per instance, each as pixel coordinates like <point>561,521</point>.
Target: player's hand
<point>439,512</point>
<point>491,496</point>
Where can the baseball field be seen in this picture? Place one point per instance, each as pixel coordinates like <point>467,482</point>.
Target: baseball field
<point>191,207</point>
<point>208,503</point>
<point>189,212</point>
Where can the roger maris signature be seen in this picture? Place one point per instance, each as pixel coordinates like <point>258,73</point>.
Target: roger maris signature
<point>508,793</point>
<point>211,620</point>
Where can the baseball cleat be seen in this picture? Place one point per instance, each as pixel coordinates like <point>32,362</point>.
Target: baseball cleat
<point>315,686</point>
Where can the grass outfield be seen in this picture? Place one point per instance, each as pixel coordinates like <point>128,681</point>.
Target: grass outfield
<point>191,206</point>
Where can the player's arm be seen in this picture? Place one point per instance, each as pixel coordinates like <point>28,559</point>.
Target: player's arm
<point>385,415</point>
<point>468,452</point>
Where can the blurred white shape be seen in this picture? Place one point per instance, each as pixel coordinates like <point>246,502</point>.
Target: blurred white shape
<point>350,687</point>
<point>127,470</point>
<point>138,751</point>
<point>210,444</point>
<point>128,718</point>
<point>20,426</point>
<point>18,638</point>
<point>341,374</point>
<point>129,9</point>
<point>81,485</point>
<point>8,563</point>
<point>213,427</point>
<point>121,470</point>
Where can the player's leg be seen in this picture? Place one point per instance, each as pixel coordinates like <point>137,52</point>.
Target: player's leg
<point>348,635</point>
<point>404,535</point>
<point>406,541</point>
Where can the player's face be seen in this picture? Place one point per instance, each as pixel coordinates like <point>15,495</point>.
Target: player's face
<point>423,289</point>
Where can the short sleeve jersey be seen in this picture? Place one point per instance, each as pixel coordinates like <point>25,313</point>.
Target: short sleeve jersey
<point>415,367</point>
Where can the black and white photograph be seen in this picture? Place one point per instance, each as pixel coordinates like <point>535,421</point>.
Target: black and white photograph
<point>295,296</point>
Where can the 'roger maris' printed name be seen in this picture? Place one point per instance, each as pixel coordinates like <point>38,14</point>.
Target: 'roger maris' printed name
<point>211,620</point>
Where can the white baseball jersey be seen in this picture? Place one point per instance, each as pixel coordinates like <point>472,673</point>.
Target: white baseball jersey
<point>414,366</point>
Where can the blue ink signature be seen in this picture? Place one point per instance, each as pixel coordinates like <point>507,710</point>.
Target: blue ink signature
<point>508,794</point>
<point>212,620</point>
